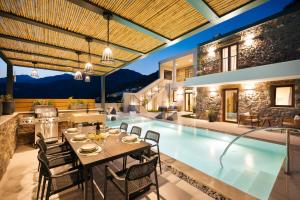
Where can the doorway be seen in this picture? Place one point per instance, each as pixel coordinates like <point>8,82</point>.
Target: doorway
<point>188,102</point>
<point>230,108</point>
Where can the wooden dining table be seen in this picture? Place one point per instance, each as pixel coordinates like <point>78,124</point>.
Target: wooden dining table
<point>112,149</point>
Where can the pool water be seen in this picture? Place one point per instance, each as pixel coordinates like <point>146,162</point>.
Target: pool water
<point>249,165</point>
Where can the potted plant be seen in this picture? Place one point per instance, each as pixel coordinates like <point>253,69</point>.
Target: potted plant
<point>8,105</point>
<point>212,115</point>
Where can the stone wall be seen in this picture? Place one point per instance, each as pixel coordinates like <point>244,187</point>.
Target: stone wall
<point>276,40</point>
<point>8,142</point>
<point>257,102</point>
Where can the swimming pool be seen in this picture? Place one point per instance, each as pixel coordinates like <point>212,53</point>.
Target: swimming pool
<point>250,165</point>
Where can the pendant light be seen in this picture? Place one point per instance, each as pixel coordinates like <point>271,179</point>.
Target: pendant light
<point>88,66</point>
<point>107,56</point>
<point>78,74</point>
<point>34,72</point>
<point>87,79</point>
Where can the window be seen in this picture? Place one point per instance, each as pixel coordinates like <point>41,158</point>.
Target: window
<point>284,96</point>
<point>229,58</point>
<point>167,75</point>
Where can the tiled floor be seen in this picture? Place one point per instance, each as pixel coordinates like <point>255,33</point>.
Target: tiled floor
<point>20,182</point>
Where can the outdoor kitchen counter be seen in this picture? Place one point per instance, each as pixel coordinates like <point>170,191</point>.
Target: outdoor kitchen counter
<point>5,118</point>
<point>8,140</point>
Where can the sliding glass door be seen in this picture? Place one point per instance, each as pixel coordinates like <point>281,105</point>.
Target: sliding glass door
<point>230,107</point>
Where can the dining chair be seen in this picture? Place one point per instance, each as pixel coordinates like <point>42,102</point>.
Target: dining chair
<point>136,131</point>
<point>57,182</point>
<point>136,181</point>
<point>124,126</point>
<point>54,162</point>
<point>51,143</point>
<point>153,138</point>
<point>52,150</point>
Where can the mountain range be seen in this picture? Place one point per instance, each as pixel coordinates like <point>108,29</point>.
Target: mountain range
<point>64,86</point>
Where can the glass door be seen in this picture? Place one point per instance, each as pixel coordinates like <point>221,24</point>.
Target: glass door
<point>188,102</point>
<point>230,105</point>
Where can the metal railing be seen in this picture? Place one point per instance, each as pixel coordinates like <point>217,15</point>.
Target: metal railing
<point>287,132</point>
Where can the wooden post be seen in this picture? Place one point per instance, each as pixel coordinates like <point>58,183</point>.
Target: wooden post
<point>103,92</point>
<point>9,80</point>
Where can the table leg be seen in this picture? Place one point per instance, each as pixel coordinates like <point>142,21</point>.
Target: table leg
<point>85,178</point>
<point>92,183</point>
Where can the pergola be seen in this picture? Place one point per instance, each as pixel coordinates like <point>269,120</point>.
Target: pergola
<point>50,32</point>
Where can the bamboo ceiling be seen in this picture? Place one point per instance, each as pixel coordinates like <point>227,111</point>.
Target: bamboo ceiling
<point>51,31</point>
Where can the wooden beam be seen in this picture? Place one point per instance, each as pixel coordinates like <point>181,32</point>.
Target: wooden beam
<point>58,65</point>
<point>64,31</point>
<point>50,46</point>
<point>204,9</point>
<point>4,58</point>
<point>60,70</point>
<point>52,57</point>
<point>129,23</point>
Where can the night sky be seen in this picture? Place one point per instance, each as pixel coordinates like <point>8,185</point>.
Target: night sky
<point>150,64</point>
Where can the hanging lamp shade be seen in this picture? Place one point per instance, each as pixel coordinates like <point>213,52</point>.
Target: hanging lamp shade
<point>88,68</point>
<point>87,79</point>
<point>107,55</point>
<point>34,72</point>
<point>78,74</point>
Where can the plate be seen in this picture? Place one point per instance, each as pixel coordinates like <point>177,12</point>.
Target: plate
<point>72,130</point>
<point>131,139</point>
<point>114,131</point>
<point>92,153</point>
<point>79,137</point>
<point>88,148</point>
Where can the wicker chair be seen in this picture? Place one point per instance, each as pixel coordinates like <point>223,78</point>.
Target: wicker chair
<point>290,122</point>
<point>56,183</point>
<point>136,180</point>
<point>247,118</point>
<point>124,126</point>
<point>153,138</point>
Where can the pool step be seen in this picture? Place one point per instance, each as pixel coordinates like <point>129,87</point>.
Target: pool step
<point>261,185</point>
<point>245,180</point>
<point>230,176</point>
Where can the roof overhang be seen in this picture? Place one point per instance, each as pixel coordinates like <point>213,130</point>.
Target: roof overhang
<point>272,72</point>
<point>51,32</point>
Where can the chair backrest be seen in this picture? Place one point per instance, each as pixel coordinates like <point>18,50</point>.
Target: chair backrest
<point>39,135</point>
<point>44,164</point>
<point>124,126</point>
<point>141,170</point>
<point>153,136</point>
<point>42,145</point>
<point>136,130</point>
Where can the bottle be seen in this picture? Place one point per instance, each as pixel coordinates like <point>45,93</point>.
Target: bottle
<point>97,128</point>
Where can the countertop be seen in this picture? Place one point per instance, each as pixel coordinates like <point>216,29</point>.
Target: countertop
<point>5,118</point>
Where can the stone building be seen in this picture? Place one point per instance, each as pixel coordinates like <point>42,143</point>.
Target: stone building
<point>253,70</point>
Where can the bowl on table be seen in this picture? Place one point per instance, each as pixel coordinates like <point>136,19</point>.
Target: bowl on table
<point>114,131</point>
<point>88,148</point>
<point>79,137</point>
<point>72,130</point>
<point>130,138</point>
